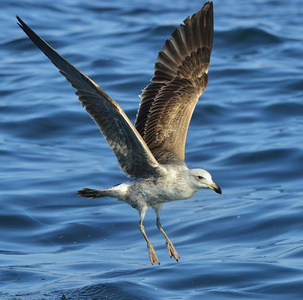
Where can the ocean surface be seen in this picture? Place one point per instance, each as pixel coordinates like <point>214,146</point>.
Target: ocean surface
<point>247,131</point>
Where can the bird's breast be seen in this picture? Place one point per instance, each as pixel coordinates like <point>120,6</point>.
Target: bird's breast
<point>162,189</point>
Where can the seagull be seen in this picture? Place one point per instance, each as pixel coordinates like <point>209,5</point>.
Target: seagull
<point>151,152</point>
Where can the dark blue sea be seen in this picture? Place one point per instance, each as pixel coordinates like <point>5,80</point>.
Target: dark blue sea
<point>247,131</point>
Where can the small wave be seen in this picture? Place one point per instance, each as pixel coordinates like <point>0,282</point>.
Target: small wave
<point>247,36</point>
<point>245,40</point>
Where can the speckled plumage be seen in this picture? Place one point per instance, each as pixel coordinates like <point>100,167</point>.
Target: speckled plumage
<point>152,151</point>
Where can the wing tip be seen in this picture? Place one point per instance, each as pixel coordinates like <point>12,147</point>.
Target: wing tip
<point>20,23</point>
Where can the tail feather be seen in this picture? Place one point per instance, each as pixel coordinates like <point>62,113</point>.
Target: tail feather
<point>91,193</point>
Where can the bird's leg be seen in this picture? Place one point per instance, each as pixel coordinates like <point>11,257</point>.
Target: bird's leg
<point>152,254</point>
<point>170,247</point>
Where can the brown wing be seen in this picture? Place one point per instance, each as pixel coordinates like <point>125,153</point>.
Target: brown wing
<point>130,149</point>
<point>179,80</point>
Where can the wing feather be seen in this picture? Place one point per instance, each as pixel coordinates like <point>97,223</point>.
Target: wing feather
<point>130,149</point>
<point>179,79</point>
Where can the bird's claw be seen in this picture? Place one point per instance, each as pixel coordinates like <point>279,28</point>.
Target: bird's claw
<point>172,252</point>
<point>153,256</point>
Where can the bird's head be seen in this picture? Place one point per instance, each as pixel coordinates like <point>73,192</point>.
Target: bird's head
<point>201,179</point>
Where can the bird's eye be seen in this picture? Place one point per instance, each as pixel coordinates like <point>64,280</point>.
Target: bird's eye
<point>200,177</point>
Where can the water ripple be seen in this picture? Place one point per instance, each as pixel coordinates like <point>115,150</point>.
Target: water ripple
<point>246,130</point>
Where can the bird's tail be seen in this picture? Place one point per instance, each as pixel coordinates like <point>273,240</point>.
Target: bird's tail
<point>91,193</point>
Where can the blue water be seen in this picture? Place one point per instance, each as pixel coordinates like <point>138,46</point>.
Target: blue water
<point>247,130</point>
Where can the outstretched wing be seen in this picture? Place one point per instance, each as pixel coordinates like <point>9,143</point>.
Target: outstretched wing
<point>179,79</point>
<point>130,149</point>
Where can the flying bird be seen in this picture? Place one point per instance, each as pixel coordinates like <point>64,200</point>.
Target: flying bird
<point>152,151</point>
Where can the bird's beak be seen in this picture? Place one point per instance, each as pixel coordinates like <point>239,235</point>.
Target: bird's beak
<point>215,188</point>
